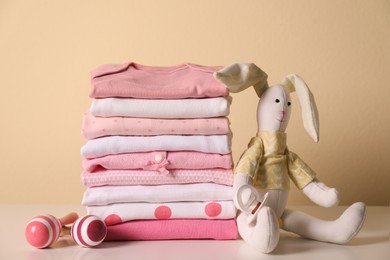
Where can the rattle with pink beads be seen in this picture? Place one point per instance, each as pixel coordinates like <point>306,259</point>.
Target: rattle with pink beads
<point>43,230</point>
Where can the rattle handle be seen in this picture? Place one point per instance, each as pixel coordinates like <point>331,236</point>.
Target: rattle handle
<point>65,231</point>
<point>69,218</point>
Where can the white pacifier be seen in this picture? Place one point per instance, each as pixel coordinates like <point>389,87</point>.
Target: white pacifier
<point>253,201</point>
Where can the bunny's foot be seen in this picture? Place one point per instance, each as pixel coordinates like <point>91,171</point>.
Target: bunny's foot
<point>262,234</point>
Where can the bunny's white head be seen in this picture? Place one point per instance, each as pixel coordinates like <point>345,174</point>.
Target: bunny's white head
<point>274,108</point>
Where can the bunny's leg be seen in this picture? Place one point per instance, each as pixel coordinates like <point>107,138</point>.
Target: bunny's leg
<point>339,231</point>
<point>262,234</point>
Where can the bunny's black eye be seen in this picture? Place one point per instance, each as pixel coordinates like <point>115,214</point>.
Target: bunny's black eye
<point>288,103</point>
<point>277,100</point>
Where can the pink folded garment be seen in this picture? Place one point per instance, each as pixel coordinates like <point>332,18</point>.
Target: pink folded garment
<point>140,81</point>
<point>122,212</point>
<point>94,126</point>
<point>161,161</point>
<point>173,229</point>
<point>135,177</point>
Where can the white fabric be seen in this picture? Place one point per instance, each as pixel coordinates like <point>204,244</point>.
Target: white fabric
<point>161,108</point>
<point>240,179</point>
<point>276,200</point>
<point>263,235</point>
<point>339,231</point>
<point>321,194</point>
<point>239,76</point>
<point>155,194</point>
<point>272,116</point>
<point>177,210</point>
<point>308,106</point>
<point>127,144</point>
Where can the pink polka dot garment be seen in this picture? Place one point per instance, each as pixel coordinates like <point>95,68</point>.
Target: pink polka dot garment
<point>155,175</point>
<point>172,210</point>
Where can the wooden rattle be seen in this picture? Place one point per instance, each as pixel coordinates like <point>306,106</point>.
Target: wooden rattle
<point>88,231</point>
<point>43,230</point>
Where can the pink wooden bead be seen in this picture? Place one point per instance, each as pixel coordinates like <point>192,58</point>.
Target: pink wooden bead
<point>89,231</point>
<point>42,231</point>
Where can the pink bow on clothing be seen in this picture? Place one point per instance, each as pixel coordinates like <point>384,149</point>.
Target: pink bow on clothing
<point>157,166</point>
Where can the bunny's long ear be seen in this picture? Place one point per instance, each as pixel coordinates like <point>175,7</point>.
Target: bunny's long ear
<point>309,110</point>
<point>239,76</point>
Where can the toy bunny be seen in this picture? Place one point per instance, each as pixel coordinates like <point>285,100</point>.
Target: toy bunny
<point>263,173</point>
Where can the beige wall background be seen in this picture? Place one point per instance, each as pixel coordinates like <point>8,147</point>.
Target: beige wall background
<point>340,48</point>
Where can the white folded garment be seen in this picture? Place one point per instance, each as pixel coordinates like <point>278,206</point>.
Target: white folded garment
<point>122,212</point>
<point>126,144</point>
<point>161,108</point>
<point>156,194</point>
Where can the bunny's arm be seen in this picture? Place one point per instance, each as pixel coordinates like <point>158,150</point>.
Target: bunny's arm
<point>247,166</point>
<point>304,178</point>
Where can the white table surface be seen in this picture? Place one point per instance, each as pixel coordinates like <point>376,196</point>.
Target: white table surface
<point>371,243</point>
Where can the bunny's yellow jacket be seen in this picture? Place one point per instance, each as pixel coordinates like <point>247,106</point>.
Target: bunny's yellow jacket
<point>271,164</point>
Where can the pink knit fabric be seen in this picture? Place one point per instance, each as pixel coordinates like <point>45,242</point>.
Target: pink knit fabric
<point>139,81</point>
<point>94,126</point>
<point>135,177</point>
<point>173,229</point>
<point>167,160</point>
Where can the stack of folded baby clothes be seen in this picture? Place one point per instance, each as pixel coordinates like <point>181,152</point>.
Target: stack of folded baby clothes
<point>157,163</point>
